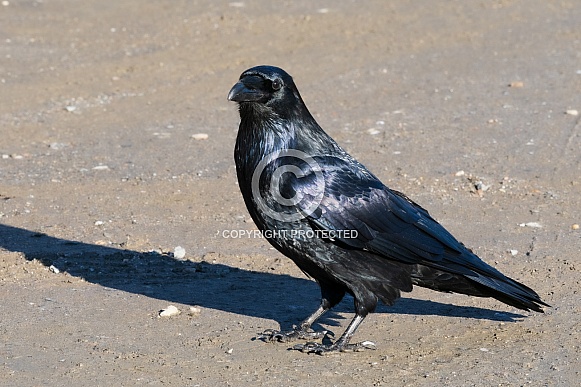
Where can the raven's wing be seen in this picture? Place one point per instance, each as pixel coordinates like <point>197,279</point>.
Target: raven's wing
<point>386,222</point>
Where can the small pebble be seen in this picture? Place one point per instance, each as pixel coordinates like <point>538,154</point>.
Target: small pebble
<point>200,136</point>
<point>575,226</point>
<point>516,84</point>
<point>531,224</point>
<point>54,269</point>
<point>57,145</point>
<point>230,350</point>
<point>100,168</point>
<point>513,252</point>
<point>169,311</point>
<point>572,112</point>
<point>179,252</point>
<point>459,173</point>
<point>99,223</point>
<point>70,108</point>
<point>373,131</point>
<point>194,311</point>
<point>480,186</point>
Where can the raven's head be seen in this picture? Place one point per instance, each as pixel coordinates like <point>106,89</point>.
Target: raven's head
<point>269,86</point>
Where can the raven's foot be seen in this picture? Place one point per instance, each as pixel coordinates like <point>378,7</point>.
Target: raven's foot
<point>297,333</point>
<point>322,349</point>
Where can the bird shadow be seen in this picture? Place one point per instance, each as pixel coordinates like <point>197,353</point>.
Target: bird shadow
<point>280,297</point>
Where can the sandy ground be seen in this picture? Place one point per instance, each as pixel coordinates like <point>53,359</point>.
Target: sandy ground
<point>463,106</point>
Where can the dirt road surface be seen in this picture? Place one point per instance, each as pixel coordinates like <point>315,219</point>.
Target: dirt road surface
<point>470,108</point>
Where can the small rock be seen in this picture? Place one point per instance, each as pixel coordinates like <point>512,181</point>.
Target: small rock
<point>57,145</point>
<point>480,186</point>
<point>54,269</point>
<point>99,223</point>
<point>169,311</point>
<point>179,252</point>
<point>194,311</point>
<point>575,226</point>
<point>513,252</point>
<point>516,84</point>
<point>368,344</point>
<point>373,131</point>
<point>459,173</point>
<point>531,224</point>
<point>200,136</point>
<point>100,168</point>
<point>572,112</point>
<point>70,108</point>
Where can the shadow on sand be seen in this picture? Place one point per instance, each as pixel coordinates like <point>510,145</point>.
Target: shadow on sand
<point>265,295</point>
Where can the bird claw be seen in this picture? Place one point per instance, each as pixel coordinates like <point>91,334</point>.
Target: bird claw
<point>322,349</point>
<point>296,333</point>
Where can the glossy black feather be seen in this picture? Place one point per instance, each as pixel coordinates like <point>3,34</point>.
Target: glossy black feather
<point>397,244</point>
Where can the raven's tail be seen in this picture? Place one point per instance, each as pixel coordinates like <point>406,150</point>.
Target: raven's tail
<point>510,292</point>
<point>476,283</point>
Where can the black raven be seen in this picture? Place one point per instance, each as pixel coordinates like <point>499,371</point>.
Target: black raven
<point>343,227</point>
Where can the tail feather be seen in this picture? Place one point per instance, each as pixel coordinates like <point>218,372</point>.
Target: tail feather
<point>511,292</point>
<point>502,288</point>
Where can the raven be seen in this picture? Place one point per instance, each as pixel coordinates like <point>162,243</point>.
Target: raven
<point>343,227</point>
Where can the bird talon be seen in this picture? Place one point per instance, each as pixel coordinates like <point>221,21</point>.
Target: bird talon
<point>296,333</point>
<point>362,346</point>
<point>328,334</point>
<point>268,335</point>
<point>299,347</point>
<point>322,349</point>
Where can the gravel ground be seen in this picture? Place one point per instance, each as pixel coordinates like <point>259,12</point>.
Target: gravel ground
<point>116,144</point>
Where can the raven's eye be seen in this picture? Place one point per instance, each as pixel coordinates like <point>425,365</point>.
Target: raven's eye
<point>276,84</point>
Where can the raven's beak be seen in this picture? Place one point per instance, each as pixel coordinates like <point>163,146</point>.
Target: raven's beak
<point>241,93</point>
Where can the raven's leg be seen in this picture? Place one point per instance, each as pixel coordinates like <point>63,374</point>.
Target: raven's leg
<point>342,344</point>
<point>365,302</point>
<point>329,298</point>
